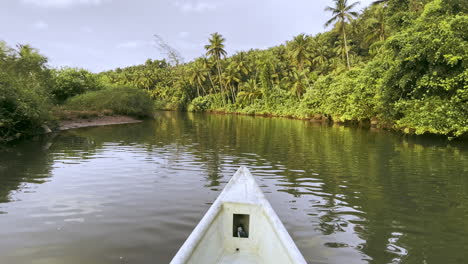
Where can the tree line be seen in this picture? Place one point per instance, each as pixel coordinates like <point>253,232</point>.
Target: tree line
<point>397,63</point>
<point>35,97</point>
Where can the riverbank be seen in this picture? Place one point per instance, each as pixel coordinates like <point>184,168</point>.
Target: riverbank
<point>373,123</point>
<point>319,118</point>
<point>96,121</point>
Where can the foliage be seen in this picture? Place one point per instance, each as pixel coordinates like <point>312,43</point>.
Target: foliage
<point>393,62</point>
<point>24,103</point>
<point>216,51</point>
<point>398,62</point>
<point>70,82</point>
<point>121,100</point>
<point>428,75</point>
<point>434,115</point>
<point>342,13</point>
<point>200,104</point>
<point>409,68</point>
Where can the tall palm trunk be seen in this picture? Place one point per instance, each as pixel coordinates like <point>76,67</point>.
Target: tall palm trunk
<point>211,81</point>
<point>346,48</point>
<point>233,93</point>
<point>220,82</point>
<point>382,32</point>
<point>202,88</point>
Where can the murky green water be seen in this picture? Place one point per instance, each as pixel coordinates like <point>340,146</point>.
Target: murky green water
<point>133,193</point>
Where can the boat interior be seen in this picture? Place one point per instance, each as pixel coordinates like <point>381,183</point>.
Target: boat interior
<point>240,233</point>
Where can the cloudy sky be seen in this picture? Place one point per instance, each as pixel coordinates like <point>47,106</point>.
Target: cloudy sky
<point>105,34</point>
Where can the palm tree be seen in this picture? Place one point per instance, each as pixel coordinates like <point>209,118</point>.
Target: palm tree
<point>321,52</point>
<point>216,50</point>
<point>341,14</point>
<point>239,63</point>
<point>206,65</point>
<point>300,52</point>
<point>376,25</point>
<point>279,52</point>
<point>249,92</point>
<point>266,76</point>
<point>298,80</point>
<point>144,79</point>
<point>341,49</point>
<point>198,76</point>
<point>378,2</point>
<point>232,78</point>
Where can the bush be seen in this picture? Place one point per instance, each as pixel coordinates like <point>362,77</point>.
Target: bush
<point>22,113</point>
<point>434,115</point>
<point>69,82</point>
<point>199,104</point>
<point>24,103</point>
<point>121,100</point>
<point>159,104</point>
<point>349,95</point>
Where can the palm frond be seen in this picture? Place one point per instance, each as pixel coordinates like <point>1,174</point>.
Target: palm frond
<point>330,21</point>
<point>378,2</point>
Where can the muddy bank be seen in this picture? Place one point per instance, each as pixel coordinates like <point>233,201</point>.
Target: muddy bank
<point>96,121</point>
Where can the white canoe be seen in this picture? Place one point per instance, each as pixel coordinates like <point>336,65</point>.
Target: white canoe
<point>216,240</point>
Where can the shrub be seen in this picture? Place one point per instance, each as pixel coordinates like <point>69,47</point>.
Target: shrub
<point>121,100</point>
<point>69,82</point>
<point>24,103</point>
<point>22,113</point>
<point>434,115</point>
<point>159,104</point>
<point>199,104</point>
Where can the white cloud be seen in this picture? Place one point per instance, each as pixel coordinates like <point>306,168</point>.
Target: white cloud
<point>133,44</point>
<point>63,3</point>
<point>40,25</point>
<point>195,6</point>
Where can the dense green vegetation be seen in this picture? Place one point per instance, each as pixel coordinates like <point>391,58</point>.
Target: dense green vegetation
<point>24,101</point>
<point>70,82</point>
<point>120,100</point>
<point>398,64</point>
<point>32,95</point>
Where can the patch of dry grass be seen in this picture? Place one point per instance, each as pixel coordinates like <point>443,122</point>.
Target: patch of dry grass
<point>63,114</point>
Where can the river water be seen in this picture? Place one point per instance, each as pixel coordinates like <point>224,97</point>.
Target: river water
<point>133,193</point>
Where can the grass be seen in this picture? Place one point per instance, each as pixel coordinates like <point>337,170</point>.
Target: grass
<point>61,113</point>
<point>118,100</point>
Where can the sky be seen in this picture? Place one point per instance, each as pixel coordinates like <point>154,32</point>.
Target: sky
<point>101,35</point>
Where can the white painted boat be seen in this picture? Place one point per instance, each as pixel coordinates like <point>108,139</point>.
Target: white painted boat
<point>240,227</point>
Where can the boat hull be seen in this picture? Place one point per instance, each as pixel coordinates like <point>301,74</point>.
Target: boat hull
<point>216,239</point>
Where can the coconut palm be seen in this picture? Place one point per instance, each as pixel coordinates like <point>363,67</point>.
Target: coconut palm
<point>299,51</point>
<point>298,80</point>
<point>216,50</point>
<point>342,13</point>
<point>239,63</point>
<point>144,79</point>
<point>376,25</point>
<point>206,65</point>
<point>232,78</point>
<point>378,2</point>
<point>197,76</point>
<point>320,55</point>
<point>342,49</point>
<point>249,92</point>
